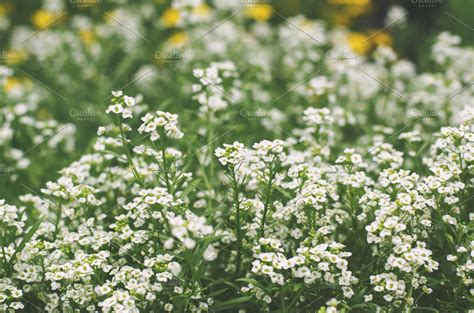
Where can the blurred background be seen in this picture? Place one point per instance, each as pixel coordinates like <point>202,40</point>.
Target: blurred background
<point>65,56</point>
<point>424,20</point>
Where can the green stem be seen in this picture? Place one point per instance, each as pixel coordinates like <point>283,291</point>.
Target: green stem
<point>238,228</point>
<point>407,308</point>
<point>267,202</point>
<point>5,261</point>
<point>127,152</point>
<point>56,224</point>
<point>210,140</point>
<point>165,168</point>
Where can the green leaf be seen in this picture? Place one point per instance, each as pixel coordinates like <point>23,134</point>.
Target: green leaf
<point>358,296</point>
<point>217,292</point>
<point>203,245</point>
<point>231,303</point>
<point>211,239</point>
<point>25,239</point>
<point>422,148</point>
<point>422,308</point>
<point>251,281</point>
<point>232,285</point>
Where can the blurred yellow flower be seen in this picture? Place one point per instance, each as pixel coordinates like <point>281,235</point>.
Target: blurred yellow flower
<point>11,83</point>
<point>42,18</point>
<point>3,10</point>
<point>350,2</point>
<point>363,44</point>
<point>87,36</point>
<point>13,57</point>
<point>108,16</point>
<point>201,10</point>
<point>171,18</point>
<point>355,11</point>
<point>382,39</point>
<point>359,43</point>
<point>178,39</point>
<point>346,10</point>
<point>259,12</point>
<point>342,19</point>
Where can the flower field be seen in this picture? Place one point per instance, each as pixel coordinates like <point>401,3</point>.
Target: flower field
<point>223,156</point>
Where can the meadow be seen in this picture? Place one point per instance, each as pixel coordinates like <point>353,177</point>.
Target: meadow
<point>233,156</point>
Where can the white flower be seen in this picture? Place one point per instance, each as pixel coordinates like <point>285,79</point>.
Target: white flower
<point>175,268</point>
<point>231,153</point>
<point>129,101</point>
<point>396,14</point>
<point>160,123</point>
<point>120,104</point>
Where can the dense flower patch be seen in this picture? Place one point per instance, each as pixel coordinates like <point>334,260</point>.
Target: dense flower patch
<point>352,190</point>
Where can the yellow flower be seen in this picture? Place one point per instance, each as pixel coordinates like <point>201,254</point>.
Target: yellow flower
<point>259,12</point>
<point>359,43</point>
<point>349,2</point>
<point>108,16</point>
<point>201,10</point>
<point>178,39</point>
<point>11,83</point>
<point>363,44</point>
<point>346,10</point>
<point>382,39</point>
<point>355,11</point>
<point>87,36</point>
<point>171,18</point>
<point>42,18</point>
<point>3,10</point>
<point>13,57</point>
<point>341,19</point>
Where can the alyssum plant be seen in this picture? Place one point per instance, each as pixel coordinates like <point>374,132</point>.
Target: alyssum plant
<point>293,227</point>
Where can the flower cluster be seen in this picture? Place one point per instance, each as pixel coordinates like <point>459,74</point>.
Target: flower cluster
<point>312,264</point>
<point>160,124</point>
<point>308,179</point>
<point>231,153</point>
<point>10,296</point>
<point>212,92</point>
<point>120,104</point>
